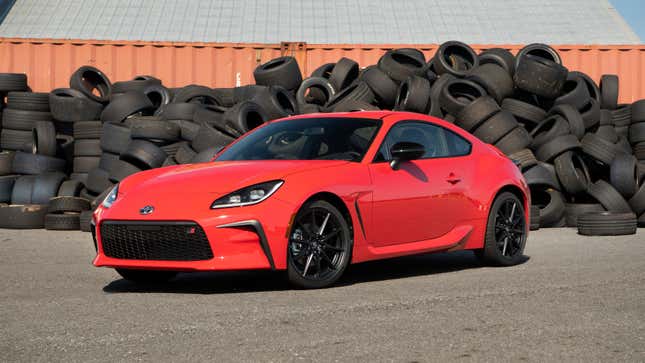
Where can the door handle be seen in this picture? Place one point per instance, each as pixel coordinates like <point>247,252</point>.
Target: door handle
<point>453,179</point>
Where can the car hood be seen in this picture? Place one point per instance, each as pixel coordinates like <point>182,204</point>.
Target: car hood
<point>219,177</point>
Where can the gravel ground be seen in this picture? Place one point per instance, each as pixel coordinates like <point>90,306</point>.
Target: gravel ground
<point>575,299</point>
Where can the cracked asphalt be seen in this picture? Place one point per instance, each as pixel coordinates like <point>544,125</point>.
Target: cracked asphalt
<point>575,299</point>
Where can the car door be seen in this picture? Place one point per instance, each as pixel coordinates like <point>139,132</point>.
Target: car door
<point>424,198</point>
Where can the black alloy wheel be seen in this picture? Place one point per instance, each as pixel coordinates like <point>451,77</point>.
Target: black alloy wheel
<point>319,246</point>
<point>506,232</point>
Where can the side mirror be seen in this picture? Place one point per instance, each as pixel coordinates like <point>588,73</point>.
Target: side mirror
<point>404,151</point>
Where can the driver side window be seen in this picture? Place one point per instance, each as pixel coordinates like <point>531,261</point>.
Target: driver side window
<point>437,141</point>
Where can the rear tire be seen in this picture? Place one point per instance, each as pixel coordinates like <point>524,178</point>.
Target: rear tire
<point>146,276</point>
<point>506,232</point>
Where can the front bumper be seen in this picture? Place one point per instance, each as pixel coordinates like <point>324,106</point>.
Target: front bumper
<point>243,238</point>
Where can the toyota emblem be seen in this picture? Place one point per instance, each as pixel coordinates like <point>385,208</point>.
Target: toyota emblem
<point>146,210</point>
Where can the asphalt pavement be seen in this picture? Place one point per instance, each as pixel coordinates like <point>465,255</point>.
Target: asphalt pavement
<point>574,299</point>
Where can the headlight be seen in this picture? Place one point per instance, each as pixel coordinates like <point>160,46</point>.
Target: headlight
<point>247,196</point>
<point>111,197</point>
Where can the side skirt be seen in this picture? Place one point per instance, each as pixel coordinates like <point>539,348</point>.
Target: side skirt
<point>452,240</point>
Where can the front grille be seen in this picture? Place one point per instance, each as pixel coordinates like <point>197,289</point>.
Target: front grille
<point>166,241</point>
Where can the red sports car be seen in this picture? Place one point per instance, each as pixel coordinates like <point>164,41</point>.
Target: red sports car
<point>313,193</point>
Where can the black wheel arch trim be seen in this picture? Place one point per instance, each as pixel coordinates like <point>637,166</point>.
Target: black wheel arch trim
<point>524,198</point>
<point>513,189</point>
<point>257,226</point>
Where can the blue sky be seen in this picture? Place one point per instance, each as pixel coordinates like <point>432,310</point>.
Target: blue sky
<point>634,13</point>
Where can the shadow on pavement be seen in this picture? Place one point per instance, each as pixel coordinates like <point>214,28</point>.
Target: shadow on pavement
<point>258,281</point>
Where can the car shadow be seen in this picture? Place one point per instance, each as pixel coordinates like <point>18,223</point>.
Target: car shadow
<point>259,281</point>
<point>414,170</point>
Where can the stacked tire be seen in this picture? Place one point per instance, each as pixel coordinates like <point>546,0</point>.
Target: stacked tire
<point>87,149</point>
<point>16,125</point>
<point>23,111</point>
<point>63,213</point>
<point>636,135</point>
<point>30,168</point>
<point>27,182</point>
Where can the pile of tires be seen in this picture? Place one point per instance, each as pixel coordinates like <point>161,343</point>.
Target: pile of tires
<point>582,153</point>
<point>73,144</point>
<point>577,158</point>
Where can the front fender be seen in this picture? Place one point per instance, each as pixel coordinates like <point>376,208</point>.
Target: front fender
<point>351,183</point>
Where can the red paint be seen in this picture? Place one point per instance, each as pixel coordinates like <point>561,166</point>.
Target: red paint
<point>427,205</point>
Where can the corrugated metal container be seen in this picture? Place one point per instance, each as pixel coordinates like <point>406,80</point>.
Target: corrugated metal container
<point>49,62</point>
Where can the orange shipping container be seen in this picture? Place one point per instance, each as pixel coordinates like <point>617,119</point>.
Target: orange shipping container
<point>50,62</point>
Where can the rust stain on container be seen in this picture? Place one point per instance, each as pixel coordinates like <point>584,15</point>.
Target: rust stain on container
<point>50,62</point>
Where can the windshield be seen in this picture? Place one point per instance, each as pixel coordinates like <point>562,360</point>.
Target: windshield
<point>307,139</point>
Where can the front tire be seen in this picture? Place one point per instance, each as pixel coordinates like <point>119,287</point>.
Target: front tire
<point>146,276</point>
<point>319,247</point>
<point>506,232</point>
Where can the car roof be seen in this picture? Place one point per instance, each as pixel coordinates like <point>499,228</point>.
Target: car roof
<point>388,118</point>
<point>377,115</point>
